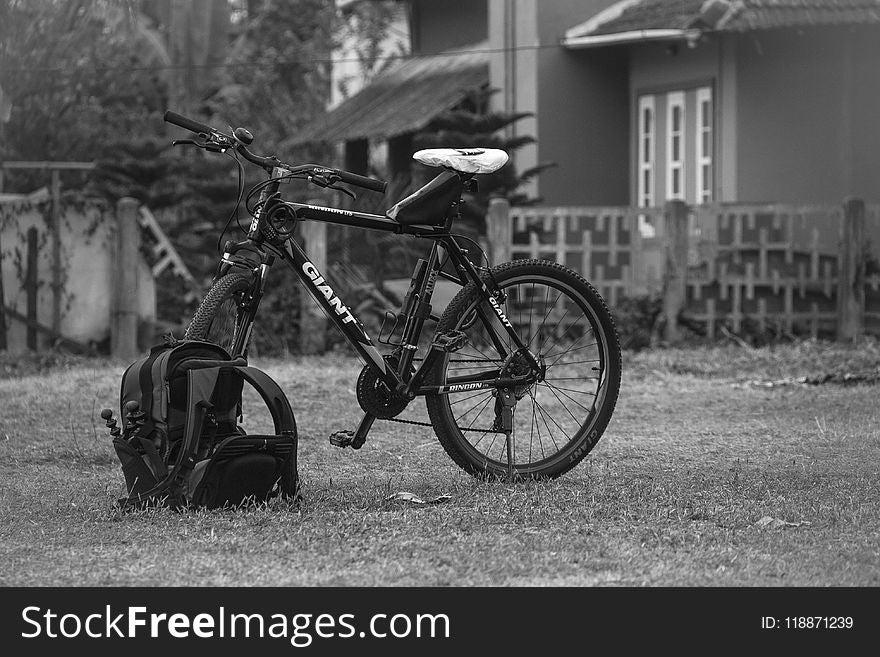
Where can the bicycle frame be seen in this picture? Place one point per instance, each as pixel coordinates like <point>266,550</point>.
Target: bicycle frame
<point>421,292</point>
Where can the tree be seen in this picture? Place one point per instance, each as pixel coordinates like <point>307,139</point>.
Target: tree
<point>75,74</point>
<point>277,72</point>
<point>365,33</point>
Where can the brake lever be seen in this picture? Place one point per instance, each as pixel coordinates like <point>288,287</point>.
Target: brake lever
<point>321,181</point>
<point>344,190</point>
<point>211,145</point>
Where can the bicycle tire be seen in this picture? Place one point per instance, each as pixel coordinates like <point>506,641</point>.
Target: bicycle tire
<point>528,286</point>
<point>217,320</point>
<point>218,317</point>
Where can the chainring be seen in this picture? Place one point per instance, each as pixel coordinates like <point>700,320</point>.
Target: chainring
<point>373,395</point>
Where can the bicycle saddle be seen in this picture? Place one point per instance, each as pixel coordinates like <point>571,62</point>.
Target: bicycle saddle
<point>465,160</point>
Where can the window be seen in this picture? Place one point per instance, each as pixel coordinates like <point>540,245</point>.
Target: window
<point>704,145</point>
<point>675,119</point>
<point>646,146</point>
<point>676,143</point>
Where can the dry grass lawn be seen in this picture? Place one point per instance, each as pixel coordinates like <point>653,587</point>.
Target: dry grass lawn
<point>704,478</point>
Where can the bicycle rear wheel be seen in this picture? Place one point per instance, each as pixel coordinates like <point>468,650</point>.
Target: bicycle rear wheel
<point>558,420</point>
<point>220,316</point>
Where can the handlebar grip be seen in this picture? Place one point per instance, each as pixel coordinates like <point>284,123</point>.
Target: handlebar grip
<point>189,124</point>
<point>362,181</point>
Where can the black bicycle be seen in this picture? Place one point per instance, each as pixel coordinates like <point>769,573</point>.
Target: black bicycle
<point>522,372</point>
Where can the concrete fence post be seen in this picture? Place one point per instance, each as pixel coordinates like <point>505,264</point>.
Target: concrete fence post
<point>313,322</point>
<point>675,274</point>
<point>126,261</point>
<point>499,230</point>
<point>851,272</point>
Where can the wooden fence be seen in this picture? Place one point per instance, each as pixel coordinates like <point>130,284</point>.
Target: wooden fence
<point>77,273</point>
<point>805,269</point>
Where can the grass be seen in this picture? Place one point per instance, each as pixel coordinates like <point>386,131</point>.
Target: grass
<point>703,478</point>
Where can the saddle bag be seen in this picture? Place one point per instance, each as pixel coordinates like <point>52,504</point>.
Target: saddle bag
<point>181,443</point>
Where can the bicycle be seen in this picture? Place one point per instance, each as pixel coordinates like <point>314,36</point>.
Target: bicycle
<point>526,350</point>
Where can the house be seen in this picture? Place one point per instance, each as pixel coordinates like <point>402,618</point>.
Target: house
<point>769,106</point>
<point>642,101</point>
<point>448,60</point>
<point>759,115</point>
<point>375,131</point>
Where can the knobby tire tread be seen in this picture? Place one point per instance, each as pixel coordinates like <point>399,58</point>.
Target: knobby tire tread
<point>223,289</point>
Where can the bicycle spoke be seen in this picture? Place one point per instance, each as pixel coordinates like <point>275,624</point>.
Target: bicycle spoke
<point>536,413</point>
<point>560,321</point>
<point>574,378</point>
<point>458,401</point>
<point>577,362</point>
<point>568,351</point>
<point>545,415</point>
<point>561,403</point>
<point>532,427</point>
<point>554,390</point>
<point>582,392</point>
<point>546,315</point>
<point>458,417</point>
<point>481,353</point>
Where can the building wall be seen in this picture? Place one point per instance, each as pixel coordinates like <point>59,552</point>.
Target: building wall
<point>87,241</point>
<point>807,115</point>
<point>447,24</point>
<point>575,95</point>
<point>584,126</point>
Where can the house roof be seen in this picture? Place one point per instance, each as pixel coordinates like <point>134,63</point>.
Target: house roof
<point>404,98</point>
<point>638,20</point>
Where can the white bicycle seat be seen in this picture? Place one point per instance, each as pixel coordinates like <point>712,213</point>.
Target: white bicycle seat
<point>465,160</point>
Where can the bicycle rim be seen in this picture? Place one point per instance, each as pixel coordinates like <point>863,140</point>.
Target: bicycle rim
<point>557,420</point>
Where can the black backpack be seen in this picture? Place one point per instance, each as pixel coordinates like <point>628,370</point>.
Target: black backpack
<point>181,442</point>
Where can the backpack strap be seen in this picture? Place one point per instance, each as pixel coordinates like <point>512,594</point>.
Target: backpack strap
<point>148,380</point>
<point>276,400</point>
<point>200,386</point>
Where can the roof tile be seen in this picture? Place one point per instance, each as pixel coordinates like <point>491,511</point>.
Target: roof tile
<point>744,15</point>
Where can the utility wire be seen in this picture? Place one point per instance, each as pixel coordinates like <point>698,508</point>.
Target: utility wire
<point>268,64</point>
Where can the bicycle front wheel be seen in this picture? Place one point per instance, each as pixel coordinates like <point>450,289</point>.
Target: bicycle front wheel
<point>220,317</point>
<point>558,419</point>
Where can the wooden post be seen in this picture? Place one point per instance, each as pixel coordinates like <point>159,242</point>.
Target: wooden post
<point>55,232</point>
<point>124,318</point>
<point>31,285</point>
<point>499,230</point>
<point>313,322</point>
<point>851,272</point>
<point>675,274</point>
<point>3,344</point>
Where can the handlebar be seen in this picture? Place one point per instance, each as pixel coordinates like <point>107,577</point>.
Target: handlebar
<point>190,124</point>
<point>362,181</point>
<point>222,141</point>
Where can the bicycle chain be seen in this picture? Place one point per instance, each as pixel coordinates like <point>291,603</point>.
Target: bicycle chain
<point>428,424</point>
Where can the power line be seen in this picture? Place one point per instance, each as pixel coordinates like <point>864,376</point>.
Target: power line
<point>255,65</point>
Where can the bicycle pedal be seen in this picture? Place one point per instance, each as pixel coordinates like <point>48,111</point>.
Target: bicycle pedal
<point>342,438</point>
<point>451,341</point>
